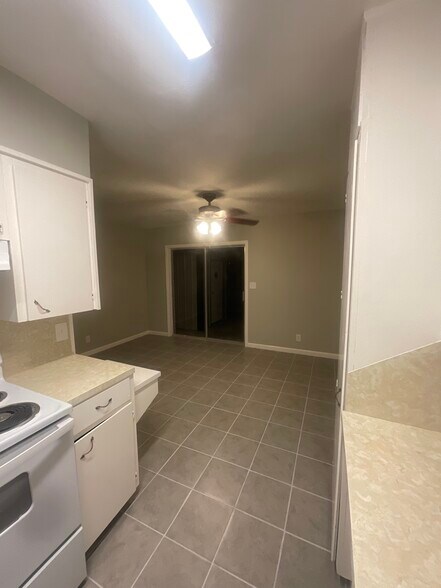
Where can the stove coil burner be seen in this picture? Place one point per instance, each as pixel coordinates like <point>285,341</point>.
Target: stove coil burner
<point>14,415</point>
<point>3,395</point>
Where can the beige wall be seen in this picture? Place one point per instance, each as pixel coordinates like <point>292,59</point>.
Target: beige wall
<point>38,125</point>
<point>296,263</point>
<point>122,275</point>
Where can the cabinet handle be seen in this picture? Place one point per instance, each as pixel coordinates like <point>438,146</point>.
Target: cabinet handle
<point>337,397</point>
<point>92,439</point>
<point>103,405</point>
<point>42,308</point>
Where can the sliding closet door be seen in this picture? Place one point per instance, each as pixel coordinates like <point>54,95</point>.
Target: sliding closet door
<point>189,292</point>
<point>225,293</point>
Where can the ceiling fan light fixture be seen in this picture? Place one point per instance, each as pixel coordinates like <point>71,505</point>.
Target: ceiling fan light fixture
<point>203,228</point>
<point>180,21</point>
<point>215,228</point>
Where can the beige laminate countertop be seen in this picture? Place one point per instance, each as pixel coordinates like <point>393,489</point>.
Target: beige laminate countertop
<point>74,378</point>
<point>404,389</point>
<point>394,483</point>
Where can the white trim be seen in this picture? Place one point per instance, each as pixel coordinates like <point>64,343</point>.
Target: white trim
<point>201,245</point>
<point>92,242</point>
<point>30,159</point>
<point>160,333</point>
<point>119,342</point>
<point>251,345</point>
<point>293,350</point>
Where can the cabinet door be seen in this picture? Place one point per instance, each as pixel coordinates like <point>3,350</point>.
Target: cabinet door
<point>56,239</point>
<point>106,466</point>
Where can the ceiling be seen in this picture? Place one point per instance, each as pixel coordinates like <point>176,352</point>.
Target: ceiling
<point>263,116</point>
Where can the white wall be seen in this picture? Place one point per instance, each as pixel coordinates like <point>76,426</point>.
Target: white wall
<point>396,301</point>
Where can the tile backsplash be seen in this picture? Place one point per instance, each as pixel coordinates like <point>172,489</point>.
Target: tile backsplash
<point>26,345</point>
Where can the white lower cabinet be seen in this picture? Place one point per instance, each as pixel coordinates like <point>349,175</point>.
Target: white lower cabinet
<point>107,471</point>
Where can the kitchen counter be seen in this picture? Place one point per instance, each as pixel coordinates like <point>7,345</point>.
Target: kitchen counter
<point>404,389</point>
<point>74,378</point>
<point>394,483</point>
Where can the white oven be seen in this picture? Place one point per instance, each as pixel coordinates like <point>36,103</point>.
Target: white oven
<point>41,542</point>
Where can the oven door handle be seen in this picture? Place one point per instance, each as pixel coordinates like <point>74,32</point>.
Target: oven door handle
<point>16,461</point>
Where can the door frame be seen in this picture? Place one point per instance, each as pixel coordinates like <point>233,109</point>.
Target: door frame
<point>346,296</point>
<point>203,245</point>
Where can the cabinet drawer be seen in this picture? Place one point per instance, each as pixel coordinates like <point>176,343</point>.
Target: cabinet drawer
<point>97,408</point>
<point>106,468</point>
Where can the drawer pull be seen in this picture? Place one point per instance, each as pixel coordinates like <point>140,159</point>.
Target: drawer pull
<point>92,439</point>
<point>41,308</point>
<point>104,405</point>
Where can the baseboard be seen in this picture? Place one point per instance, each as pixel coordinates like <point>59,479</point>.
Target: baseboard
<point>292,350</point>
<point>160,333</point>
<point>252,345</point>
<point>116,343</point>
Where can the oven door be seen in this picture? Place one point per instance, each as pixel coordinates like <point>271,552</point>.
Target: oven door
<point>39,506</point>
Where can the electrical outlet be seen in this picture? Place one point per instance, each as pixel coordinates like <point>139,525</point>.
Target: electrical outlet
<point>298,337</point>
<point>61,332</point>
<point>87,338</point>
<point>253,285</point>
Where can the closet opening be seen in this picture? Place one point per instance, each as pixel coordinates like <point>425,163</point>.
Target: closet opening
<point>208,291</point>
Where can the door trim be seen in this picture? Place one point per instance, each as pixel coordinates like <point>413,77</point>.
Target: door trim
<point>345,342</point>
<point>201,245</point>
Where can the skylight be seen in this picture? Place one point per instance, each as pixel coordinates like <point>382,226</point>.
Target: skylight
<point>183,26</point>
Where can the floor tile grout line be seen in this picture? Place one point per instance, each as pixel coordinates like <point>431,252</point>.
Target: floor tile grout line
<point>249,399</point>
<point>292,485</point>
<point>183,504</point>
<point>233,508</point>
<point>178,445</point>
<point>186,548</point>
<point>292,477</point>
<point>242,468</point>
<point>174,415</point>
<point>233,575</point>
<point>246,439</point>
<point>246,365</point>
<point>316,545</point>
<point>236,509</point>
<point>93,581</point>
<point>241,490</point>
<point>175,517</point>
<point>200,423</point>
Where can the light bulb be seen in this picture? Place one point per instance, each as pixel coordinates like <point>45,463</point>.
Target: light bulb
<point>202,228</point>
<point>215,228</point>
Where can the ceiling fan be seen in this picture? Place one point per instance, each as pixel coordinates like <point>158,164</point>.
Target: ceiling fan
<point>211,217</point>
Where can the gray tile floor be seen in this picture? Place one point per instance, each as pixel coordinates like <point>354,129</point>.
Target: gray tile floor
<point>235,460</point>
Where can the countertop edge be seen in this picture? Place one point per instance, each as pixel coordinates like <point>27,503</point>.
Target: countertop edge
<point>99,388</point>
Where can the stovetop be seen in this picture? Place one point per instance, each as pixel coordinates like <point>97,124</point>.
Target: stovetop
<point>24,412</point>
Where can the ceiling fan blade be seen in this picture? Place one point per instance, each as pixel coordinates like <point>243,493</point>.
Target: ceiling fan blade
<point>241,221</point>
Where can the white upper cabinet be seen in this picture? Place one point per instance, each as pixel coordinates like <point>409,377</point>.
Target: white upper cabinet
<point>48,220</point>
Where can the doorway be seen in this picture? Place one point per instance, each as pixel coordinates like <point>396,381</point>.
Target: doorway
<point>208,291</point>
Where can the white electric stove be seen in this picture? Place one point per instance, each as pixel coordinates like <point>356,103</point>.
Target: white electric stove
<point>41,538</point>
<point>23,413</point>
